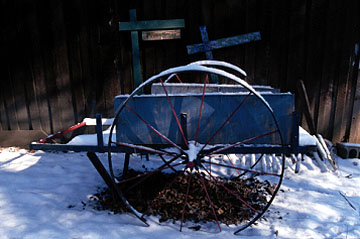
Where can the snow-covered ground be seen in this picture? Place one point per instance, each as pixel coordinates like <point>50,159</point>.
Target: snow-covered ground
<point>46,195</point>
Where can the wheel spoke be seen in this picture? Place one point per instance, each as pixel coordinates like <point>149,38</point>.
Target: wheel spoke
<point>227,120</point>
<point>211,203</point>
<point>231,164</point>
<point>174,113</point>
<point>242,142</point>
<point>155,130</point>
<point>178,78</point>
<point>143,148</point>
<point>161,168</point>
<point>228,190</point>
<point>185,202</point>
<point>256,162</point>
<point>242,169</point>
<point>167,163</point>
<point>201,107</point>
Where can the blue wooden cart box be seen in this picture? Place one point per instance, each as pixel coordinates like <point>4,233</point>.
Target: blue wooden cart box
<point>244,124</point>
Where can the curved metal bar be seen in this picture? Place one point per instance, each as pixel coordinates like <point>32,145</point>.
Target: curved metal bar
<point>199,67</point>
<point>220,63</point>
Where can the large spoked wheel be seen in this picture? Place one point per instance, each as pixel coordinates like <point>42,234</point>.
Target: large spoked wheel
<point>198,174</point>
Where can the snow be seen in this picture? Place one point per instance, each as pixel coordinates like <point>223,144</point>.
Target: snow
<point>305,139</point>
<point>46,195</point>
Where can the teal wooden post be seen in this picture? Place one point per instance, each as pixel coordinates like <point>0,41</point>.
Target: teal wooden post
<point>207,46</point>
<point>134,26</point>
<point>135,52</point>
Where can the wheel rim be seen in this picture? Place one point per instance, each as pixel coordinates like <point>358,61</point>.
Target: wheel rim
<point>193,161</point>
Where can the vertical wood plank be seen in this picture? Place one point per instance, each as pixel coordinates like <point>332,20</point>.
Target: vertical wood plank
<point>38,116</point>
<point>327,84</point>
<point>46,42</point>
<point>343,80</point>
<point>354,134</point>
<point>73,28</point>
<point>61,64</point>
<point>251,26</point>
<point>279,44</point>
<point>9,102</point>
<point>315,53</point>
<point>353,130</point>
<point>262,59</point>
<point>296,43</point>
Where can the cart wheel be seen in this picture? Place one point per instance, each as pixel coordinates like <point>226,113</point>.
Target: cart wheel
<point>196,182</point>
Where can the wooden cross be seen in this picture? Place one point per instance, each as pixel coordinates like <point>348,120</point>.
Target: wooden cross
<point>207,46</point>
<point>135,26</point>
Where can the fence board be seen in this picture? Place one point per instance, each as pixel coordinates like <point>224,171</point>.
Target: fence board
<point>250,50</point>
<point>315,53</point>
<point>327,85</point>
<point>344,81</point>
<point>70,63</point>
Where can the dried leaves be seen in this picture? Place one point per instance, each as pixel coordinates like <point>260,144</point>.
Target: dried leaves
<point>154,196</point>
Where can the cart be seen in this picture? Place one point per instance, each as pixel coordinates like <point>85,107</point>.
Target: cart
<point>214,154</point>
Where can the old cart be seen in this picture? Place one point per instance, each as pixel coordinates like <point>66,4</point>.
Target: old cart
<point>216,144</point>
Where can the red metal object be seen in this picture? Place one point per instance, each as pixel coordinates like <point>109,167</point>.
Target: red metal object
<point>174,113</point>
<point>186,198</point>
<point>201,107</point>
<point>72,128</point>
<point>156,131</point>
<point>227,120</point>
<point>211,204</point>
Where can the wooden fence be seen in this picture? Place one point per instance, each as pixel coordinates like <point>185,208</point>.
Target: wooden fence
<point>65,60</point>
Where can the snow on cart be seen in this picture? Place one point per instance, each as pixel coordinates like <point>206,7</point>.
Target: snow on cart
<point>214,153</point>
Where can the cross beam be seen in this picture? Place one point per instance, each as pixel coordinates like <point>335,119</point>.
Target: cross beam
<point>207,46</point>
<point>134,26</point>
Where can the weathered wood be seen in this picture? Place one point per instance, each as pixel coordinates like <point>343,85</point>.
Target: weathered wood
<point>20,138</point>
<point>355,120</point>
<point>97,61</point>
<point>315,53</point>
<point>344,81</point>
<point>250,53</point>
<point>306,106</point>
<point>151,24</point>
<point>262,49</point>
<point>134,26</point>
<point>278,50</point>
<point>61,70</point>
<point>72,12</point>
<point>4,120</point>
<point>327,85</point>
<point>207,46</point>
<point>296,61</point>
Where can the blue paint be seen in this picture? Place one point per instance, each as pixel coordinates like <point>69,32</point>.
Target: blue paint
<point>252,119</point>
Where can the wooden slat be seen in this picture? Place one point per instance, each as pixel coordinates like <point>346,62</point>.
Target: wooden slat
<point>344,80</point>
<point>48,89</point>
<point>250,50</point>
<point>279,44</point>
<point>355,119</point>
<point>36,115</point>
<point>73,30</point>
<point>87,70</point>
<point>353,130</point>
<point>296,43</point>
<point>20,138</point>
<point>327,85</point>
<point>315,53</point>
<point>151,24</point>
<point>262,49</point>
<point>61,64</point>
